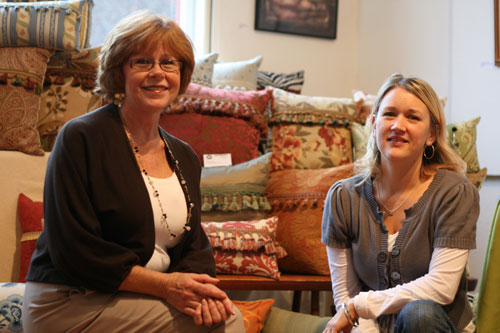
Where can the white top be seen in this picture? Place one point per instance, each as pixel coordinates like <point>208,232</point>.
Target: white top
<point>439,285</point>
<point>174,205</point>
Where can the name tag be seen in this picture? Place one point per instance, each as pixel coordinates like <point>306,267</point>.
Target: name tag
<point>213,160</point>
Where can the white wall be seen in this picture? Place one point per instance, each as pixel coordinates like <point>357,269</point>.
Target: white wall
<point>449,43</point>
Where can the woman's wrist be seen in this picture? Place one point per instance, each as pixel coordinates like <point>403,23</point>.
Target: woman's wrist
<point>350,313</point>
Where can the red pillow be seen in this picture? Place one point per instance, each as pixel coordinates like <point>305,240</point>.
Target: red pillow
<point>31,219</point>
<point>214,134</point>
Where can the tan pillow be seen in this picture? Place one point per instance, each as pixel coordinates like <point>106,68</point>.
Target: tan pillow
<point>21,73</point>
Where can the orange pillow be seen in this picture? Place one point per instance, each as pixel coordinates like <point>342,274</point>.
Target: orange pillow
<point>297,198</point>
<point>254,313</point>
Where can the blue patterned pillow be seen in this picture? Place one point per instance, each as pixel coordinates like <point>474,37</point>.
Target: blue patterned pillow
<point>204,69</point>
<point>291,82</point>
<point>54,25</point>
<point>11,307</point>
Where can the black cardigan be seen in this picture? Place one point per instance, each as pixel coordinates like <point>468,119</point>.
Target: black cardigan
<point>98,216</point>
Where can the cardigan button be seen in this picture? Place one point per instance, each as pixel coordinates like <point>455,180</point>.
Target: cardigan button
<point>395,252</point>
<point>395,276</point>
<point>382,257</point>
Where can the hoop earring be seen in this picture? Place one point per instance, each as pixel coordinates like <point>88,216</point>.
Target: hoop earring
<point>118,99</point>
<point>426,154</point>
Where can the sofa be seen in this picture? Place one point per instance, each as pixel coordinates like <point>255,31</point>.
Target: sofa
<point>286,149</point>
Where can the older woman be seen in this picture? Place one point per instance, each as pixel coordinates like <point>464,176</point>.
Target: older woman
<point>398,234</point>
<point>123,248</point>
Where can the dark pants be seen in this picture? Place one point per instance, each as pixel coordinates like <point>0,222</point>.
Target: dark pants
<point>423,316</point>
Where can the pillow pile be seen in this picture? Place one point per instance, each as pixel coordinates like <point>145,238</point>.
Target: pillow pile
<point>310,132</point>
<point>199,115</point>
<point>245,247</point>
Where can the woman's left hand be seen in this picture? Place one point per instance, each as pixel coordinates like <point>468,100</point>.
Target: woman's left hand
<point>209,312</point>
<point>338,323</point>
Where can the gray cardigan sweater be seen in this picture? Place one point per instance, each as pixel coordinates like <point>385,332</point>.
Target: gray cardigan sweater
<point>445,216</point>
<point>98,215</point>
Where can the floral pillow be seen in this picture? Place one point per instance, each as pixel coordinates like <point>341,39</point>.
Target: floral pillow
<point>21,77</point>
<point>11,305</point>
<point>462,138</point>
<point>67,93</point>
<point>58,25</point>
<point>245,247</point>
<point>359,140</point>
<point>297,198</point>
<point>291,82</point>
<point>204,69</point>
<point>239,75</point>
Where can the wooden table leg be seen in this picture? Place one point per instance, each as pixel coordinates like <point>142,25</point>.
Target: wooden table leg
<point>315,302</point>
<point>297,295</point>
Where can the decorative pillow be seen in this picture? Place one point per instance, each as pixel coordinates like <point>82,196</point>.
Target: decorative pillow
<point>239,75</point>
<point>21,78</point>
<point>204,69</point>
<point>245,247</point>
<point>297,198</point>
<point>359,140</point>
<point>279,320</point>
<point>254,313</point>
<point>477,178</point>
<point>11,305</point>
<point>296,146</point>
<point>292,82</point>
<point>462,137</point>
<point>31,219</point>
<point>235,192</point>
<point>58,25</point>
<point>69,81</point>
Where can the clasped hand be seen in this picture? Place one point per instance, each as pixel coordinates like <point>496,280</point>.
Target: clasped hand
<point>197,296</point>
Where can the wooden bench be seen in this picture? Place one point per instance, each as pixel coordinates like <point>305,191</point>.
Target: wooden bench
<point>297,283</point>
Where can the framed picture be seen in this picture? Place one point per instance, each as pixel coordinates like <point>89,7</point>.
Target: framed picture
<point>496,9</point>
<point>316,18</point>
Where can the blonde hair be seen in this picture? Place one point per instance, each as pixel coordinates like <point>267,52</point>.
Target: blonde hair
<point>444,156</point>
<point>141,31</point>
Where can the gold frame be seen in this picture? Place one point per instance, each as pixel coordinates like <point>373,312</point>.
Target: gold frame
<point>496,9</point>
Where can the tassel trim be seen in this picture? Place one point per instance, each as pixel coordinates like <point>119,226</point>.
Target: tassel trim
<point>234,202</point>
<point>85,80</point>
<point>18,80</point>
<point>312,117</point>
<point>244,240</point>
<point>296,202</point>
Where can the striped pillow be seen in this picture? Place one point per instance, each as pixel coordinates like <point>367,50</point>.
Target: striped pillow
<point>292,82</point>
<point>55,25</point>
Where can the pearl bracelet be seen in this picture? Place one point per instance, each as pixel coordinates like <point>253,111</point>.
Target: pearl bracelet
<point>353,321</point>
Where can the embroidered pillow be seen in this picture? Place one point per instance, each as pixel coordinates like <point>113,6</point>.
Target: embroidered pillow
<point>31,219</point>
<point>239,75</point>
<point>235,192</point>
<point>297,199</point>
<point>245,247</point>
<point>21,77</point>
<point>204,69</point>
<point>462,138</point>
<point>477,178</point>
<point>359,140</point>
<point>11,305</point>
<point>254,313</point>
<point>67,93</point>
<point>55,25</point>
<point>292,82</point>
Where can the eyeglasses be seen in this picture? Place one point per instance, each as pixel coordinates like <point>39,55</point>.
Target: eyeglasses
<point>143,64</point>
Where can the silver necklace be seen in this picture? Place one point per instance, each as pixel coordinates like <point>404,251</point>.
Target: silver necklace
<point>392,211</point>
<point>163,218</point>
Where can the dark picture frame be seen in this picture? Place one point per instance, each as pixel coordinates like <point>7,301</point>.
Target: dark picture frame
<point>496,9</point>
<point>307,18</point>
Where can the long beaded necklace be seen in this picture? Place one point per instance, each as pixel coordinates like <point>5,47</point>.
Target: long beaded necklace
<point>163,218</point>
<point>392,211</point>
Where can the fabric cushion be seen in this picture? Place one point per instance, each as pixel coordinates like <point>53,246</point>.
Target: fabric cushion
<point>296,146</point>
<point>31,219</point>
<point>297,199</point>
<point>254,313</point>
<point>462,138</point>
<point>58,25</point>
<point>477,178</point>
<point>204,69</point>
<point>292,82</point>
<point>239,75</point>
<point>359,140</point>
<point>11,305</point>
<point>21,77</point>
<point>235,192</point>
<point>245,247</point>
<point>67,94</point>
<point>279,320</point>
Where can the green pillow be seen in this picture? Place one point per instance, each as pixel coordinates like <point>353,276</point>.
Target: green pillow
<point>280,320</point>
<point>359,140</point>
<point>462,138</point>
